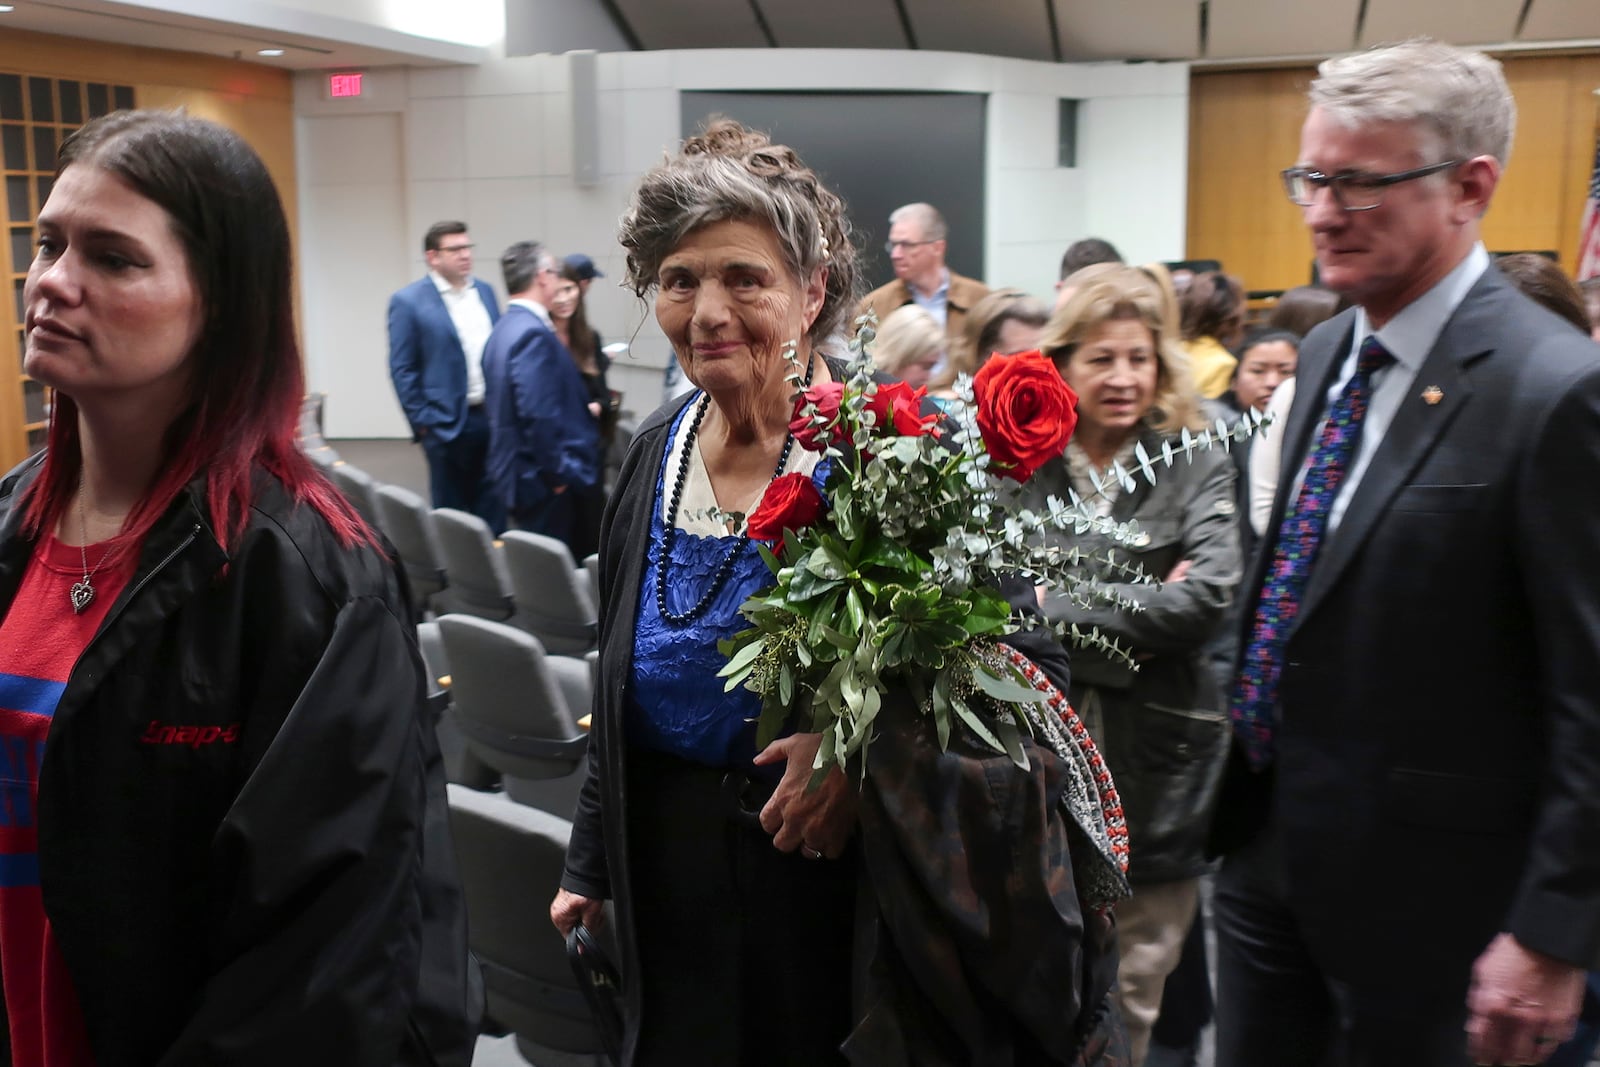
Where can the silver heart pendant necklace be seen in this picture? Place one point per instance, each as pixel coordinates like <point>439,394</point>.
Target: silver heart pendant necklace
<point>81,595</point>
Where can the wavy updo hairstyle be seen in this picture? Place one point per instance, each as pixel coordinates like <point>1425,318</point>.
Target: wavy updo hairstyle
<point>728,172</point>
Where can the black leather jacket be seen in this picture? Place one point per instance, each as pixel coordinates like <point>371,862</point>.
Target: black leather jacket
<point>1162,728</point>
<point>285,892</point>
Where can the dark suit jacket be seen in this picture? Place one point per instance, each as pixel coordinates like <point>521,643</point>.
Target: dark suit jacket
<point>541,435</point>
<point>1437,776</point>
<point>426,361</point>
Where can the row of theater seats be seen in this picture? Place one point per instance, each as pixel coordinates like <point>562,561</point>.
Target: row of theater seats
<point>515,757</point>
<point>508,650</point>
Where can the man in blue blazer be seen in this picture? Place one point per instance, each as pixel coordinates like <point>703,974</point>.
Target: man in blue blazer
<point>438,326</point>
<point>1411,813</point>
<point>544,444</point>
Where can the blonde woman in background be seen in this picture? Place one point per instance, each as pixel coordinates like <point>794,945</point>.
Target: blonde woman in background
<point>909,345</point>
<point>1162,728</point>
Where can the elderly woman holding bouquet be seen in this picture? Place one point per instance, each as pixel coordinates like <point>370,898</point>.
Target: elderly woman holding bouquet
<point>735,885</point>
<point>1159,719</point>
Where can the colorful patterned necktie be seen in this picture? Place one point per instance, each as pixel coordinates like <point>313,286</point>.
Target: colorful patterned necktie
<point>1255,693</point>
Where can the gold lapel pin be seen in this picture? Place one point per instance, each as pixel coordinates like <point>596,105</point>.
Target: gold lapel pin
<point>1432,395</point>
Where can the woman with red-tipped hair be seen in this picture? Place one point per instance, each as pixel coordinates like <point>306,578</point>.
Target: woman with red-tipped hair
<point>223,838</point>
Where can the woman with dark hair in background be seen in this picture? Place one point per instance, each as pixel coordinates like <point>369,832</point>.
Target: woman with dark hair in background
<point>1541,279</point>
<point>227,841</point>
<point>1304,306</point>
<point>571,321</point>
<point>1211,313</point>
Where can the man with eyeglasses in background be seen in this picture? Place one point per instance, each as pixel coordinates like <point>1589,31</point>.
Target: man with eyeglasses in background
<point>438,326</point>
<point>1411,811</point>
<point>916,248</point>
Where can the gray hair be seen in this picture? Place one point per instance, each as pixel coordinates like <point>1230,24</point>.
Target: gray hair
<point>727,172</point>
<point>927,218</point>
<point>521,263</point>
<point>1460,96</point>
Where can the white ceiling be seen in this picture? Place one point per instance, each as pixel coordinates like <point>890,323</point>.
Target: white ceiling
<point>1213,31</point>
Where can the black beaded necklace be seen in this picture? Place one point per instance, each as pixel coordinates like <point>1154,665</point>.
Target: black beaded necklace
<point>725,568</point>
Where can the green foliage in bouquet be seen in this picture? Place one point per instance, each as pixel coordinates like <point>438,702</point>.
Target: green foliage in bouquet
<point>887,580</point>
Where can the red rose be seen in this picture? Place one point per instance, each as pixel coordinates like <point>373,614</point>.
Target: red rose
<point>790,503</point>
<point>1025,412</point>
<point>807,433</point>
<point>898,410</point>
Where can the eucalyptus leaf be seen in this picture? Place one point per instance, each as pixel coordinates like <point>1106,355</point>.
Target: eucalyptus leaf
<point>976,724</point>
<point>742,659</point>
<point>1003,689</point>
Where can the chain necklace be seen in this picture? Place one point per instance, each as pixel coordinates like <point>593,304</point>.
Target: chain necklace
<point>82,593</point>
<point>725,568</point>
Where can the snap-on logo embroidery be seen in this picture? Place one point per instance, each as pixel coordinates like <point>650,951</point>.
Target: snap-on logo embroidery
<point>160,733</point>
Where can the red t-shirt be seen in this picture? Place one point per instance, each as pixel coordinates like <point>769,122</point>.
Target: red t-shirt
<point>40,641</point>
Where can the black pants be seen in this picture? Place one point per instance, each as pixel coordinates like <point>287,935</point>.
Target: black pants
<point>458,474</point>
<point>744,951</point>
<point>1276,1007</point>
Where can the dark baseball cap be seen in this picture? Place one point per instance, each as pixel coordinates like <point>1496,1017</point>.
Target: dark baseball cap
<point>582,266</point>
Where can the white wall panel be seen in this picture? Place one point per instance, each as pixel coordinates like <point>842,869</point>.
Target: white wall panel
<point>351,256</point>
<point>504,136</point>
<point>436,138</point>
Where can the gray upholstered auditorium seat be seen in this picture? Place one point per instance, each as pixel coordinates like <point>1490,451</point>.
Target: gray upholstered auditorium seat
<point>510,858</point>
<point>514,706</point>
<point>478,583</point>
<point>551,594</point>
<point>407,521</point>
<point>359,488</point>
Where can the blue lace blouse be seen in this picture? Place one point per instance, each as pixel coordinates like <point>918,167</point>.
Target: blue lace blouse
<point>678,705</point>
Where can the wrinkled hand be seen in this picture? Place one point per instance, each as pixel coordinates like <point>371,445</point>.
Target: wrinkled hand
<point>822,819</point>
<point>569,909</point>
<point>1522,1004</point>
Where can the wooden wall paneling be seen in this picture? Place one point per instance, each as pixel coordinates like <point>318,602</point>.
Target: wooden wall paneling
<point>1244,129</point>
<point>1527,213</point>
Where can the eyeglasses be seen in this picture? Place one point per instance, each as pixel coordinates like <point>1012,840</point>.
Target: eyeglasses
<point>454,250</point>
<point>1352,192</point>
<point>906,246</point>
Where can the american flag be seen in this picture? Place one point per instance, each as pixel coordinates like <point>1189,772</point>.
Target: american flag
<point>1589,244</point>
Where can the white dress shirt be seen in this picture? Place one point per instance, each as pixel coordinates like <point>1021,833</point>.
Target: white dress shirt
<point>533,306</point>
<point>1409,337</point>
<point>472,324</point>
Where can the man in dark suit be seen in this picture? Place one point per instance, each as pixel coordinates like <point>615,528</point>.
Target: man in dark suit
<point>437,329</point>
<point>1411,814</point>
<point>544,443</point>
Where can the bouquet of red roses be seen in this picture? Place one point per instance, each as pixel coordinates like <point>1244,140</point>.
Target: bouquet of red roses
<point>887,578</point>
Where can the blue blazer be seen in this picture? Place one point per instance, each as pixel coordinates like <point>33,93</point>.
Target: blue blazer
<point>541,435</point>
<point>426,361</point>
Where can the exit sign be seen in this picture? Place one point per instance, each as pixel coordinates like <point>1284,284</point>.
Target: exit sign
<point>344,85</point>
